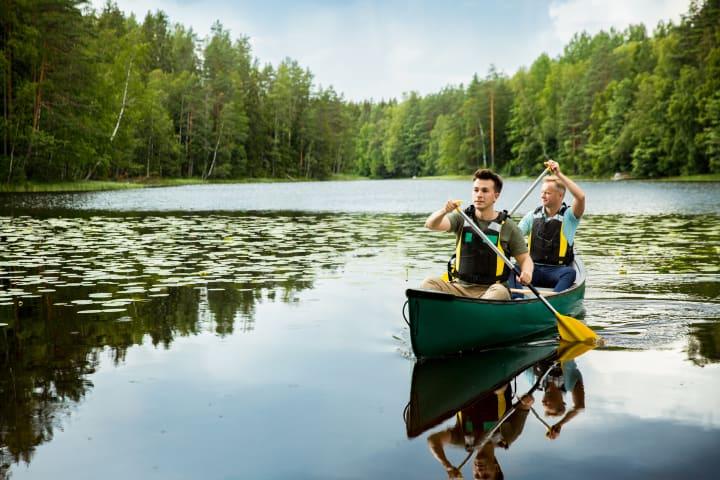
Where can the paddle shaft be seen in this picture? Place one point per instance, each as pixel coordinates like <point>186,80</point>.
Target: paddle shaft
<point>532,187</point>
<point>507,261</point>
<point>489,434</point>
<point>547,425</point>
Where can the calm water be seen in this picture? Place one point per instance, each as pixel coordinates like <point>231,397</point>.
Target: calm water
<point>255,332</point>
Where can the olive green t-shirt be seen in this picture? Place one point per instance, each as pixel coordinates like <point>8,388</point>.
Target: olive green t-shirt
<point>509,233</point>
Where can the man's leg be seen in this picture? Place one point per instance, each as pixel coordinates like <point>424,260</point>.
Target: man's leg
<point>437,283</point>
<point>565,278</point>
<point>558,278</point>
<point>496,291</point>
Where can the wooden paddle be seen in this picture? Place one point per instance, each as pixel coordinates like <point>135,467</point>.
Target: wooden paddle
<point>571,329</point>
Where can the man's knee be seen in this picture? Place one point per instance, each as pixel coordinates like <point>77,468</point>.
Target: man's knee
<point>565,279</point>
<point>496,291</point>
<point>432,283</point>
<point>568,274</point>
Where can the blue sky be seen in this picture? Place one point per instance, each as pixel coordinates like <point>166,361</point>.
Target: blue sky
<point>381,49</point>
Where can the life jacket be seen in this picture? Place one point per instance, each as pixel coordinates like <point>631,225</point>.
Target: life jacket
<point>474,261</point>
<point>482,416</point>
<point>547,242</point>
<point>555,376</point>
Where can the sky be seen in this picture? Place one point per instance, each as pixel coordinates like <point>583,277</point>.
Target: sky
<point>375,49</point>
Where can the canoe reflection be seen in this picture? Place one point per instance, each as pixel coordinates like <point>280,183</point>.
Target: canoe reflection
<point>480,392</point>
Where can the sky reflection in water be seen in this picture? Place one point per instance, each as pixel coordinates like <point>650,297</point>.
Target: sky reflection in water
<point>272,346</point>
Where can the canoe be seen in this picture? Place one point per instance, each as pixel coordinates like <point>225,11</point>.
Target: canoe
<point>442,386</point>
<point>444,324</point>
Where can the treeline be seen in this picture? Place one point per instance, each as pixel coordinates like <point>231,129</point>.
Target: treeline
<point>613,102</point>
<point>91,95</point>
<point>97,95</point>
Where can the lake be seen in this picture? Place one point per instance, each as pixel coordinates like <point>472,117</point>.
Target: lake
<point>255,331</point>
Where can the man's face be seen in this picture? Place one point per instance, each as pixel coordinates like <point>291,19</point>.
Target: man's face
<point>551,196</point>
<point>484,194</point>
<point>553,402</point>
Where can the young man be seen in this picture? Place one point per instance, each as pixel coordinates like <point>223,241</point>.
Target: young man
<point>478,271</point>
<point>552,229</point>
<point>471,426</point>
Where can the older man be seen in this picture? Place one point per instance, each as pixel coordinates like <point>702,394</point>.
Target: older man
<point>551,228</point>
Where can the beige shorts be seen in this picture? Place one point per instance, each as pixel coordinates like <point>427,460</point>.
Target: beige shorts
<point>496,291</point>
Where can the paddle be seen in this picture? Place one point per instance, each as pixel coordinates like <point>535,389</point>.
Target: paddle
<point>515,406</point>
<point>571,329</point>
<point>565,352</point>
<point>446,276</point>
<point>532,187</point>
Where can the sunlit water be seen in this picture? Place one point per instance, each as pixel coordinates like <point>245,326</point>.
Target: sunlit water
<point>255,331</point>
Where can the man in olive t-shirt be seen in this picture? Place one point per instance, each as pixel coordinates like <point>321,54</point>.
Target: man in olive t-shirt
<point>486,190</point>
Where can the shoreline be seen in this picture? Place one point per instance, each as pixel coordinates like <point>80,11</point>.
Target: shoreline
<point>107,185</point>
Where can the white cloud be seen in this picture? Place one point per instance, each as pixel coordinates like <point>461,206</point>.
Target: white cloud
<point>365,55</point>
<point>372,49</point>
<point>571,16</point>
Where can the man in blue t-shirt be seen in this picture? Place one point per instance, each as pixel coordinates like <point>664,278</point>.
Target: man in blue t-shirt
<point>551,228</point>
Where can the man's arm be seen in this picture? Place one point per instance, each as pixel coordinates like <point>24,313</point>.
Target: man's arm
<point>526,267</point>
<point>578,395</point>
<point>515,424</point>
<point>436,442</point>
<point>518,249</point>
<point>525,224</point>
<point>577,193</point>
<point>438,220</point>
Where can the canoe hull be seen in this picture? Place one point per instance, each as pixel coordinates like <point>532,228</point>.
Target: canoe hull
<point>443,324</point>
<point>440,387</point>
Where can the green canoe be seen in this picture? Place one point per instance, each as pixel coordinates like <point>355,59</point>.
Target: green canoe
<point>442,386</point>
<point>444,324</point>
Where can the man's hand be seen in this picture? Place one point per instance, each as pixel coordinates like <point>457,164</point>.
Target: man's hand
<point>554,432</point>
<point>553,166</point>
<point>454,474</point>
<point>437,220</point>
<point>525,278</point>
<point>452,205</point>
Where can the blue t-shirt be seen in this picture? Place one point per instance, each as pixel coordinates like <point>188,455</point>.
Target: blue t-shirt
<point>569,378</point>
<point>570,224</point>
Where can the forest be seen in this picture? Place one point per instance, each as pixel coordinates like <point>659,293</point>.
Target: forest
<point>99,95</point>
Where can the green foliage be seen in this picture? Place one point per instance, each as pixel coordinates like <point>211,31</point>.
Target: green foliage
<point>97,95</point>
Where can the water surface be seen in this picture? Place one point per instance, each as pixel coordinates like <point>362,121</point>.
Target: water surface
<point>195,332</point>
<point>386,196</point>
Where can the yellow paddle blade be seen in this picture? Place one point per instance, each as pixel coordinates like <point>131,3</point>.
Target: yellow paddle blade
<point>445,278</point>
<point>570,351</point>
<point>573,330</point>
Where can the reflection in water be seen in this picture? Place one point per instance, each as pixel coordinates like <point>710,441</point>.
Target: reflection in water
<point>480,392</point>
<point>650,277</point>
<point>75,287</point>
<point>704,343</point>
<point>387,196</point>
<point>555,381</point>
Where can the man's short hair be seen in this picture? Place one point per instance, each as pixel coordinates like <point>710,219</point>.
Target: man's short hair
<point>487,174</point>
<point>556,181</point>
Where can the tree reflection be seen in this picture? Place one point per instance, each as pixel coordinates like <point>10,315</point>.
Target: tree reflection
<point>48,353</point>
<point>704,343</point>
<point>86,283</point>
